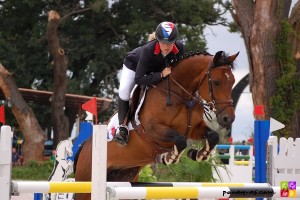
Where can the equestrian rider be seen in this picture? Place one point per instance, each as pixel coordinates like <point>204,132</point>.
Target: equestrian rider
<point>146,65</point>
<point>126,85</point>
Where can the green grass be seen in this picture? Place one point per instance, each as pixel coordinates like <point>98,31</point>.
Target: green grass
<point>33,171</point>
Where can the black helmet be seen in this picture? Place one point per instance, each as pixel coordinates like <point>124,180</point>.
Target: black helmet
<point>166,32</point>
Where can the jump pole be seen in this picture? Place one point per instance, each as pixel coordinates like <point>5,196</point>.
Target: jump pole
<point>99,162</point>
<point>5,161</point>
<point>86,187</point>
<point>194,192</point>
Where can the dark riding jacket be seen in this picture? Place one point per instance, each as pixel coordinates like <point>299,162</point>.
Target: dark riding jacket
<point>151,62</point>
<point>132,58</point>
<point>149,75</point>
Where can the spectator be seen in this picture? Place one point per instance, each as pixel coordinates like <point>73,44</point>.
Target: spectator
<point>15,157</point>
<point>244,151</point>
<point>52,157</point>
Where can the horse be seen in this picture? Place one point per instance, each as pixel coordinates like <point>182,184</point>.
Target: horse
<point>173,111</point>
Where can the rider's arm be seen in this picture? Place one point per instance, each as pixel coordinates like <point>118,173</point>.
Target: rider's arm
<point>144,75</point>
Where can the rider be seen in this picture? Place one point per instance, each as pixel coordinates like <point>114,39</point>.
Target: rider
<point>150,63</point>
<point>126,85</point>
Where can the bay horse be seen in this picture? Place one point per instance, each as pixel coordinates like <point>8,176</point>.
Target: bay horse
<point>198,81</point>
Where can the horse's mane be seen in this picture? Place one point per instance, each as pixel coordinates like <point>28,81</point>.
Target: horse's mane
<point>223,60</point>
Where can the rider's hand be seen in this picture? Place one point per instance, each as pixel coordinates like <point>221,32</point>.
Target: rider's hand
<point>166,72</point>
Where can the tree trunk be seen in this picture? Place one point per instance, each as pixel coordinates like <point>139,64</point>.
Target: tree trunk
<point>260,24</point>
<point>59,120</point>
<point>33,134</point>
<point>295,41</point>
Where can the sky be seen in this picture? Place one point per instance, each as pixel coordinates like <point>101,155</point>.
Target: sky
<point>220,39</point>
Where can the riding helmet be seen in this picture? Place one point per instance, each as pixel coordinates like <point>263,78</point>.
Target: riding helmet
<point>166,32</point>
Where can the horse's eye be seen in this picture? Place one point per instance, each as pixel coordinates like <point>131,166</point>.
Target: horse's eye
<point>216,82</point>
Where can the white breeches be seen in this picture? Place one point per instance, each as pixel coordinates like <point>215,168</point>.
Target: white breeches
<point>126,83</point>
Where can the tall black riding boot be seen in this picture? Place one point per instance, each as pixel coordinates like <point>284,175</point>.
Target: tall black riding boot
<point>122,133</point>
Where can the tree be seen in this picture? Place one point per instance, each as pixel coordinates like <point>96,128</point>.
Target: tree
<point>24,115</point>
<point>264,27</point>
<point>59,120</point>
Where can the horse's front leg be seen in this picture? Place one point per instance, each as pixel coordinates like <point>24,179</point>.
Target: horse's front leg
<point>173,156</point>
<point>211,140</point>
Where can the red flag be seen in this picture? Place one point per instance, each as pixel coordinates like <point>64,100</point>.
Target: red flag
<point>230,140</point>
<point>91,106</point>
<point>2,115</point>
<point>250,140</point>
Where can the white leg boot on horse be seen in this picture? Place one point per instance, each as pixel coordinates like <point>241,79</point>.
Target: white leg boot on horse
<point>211,141</point>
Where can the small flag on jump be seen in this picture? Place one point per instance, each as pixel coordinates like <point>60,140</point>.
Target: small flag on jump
<point>91,106</point>
<point>250,140</point>
<point>2,115</point>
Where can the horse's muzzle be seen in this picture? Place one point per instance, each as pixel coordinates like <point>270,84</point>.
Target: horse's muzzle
<point>225,120</point>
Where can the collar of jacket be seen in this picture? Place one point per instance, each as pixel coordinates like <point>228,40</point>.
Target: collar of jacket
<point>157,49</point>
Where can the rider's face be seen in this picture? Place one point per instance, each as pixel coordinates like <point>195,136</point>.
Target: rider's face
<point>166,48</point>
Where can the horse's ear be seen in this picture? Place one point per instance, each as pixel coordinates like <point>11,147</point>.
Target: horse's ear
<point>233,57</point>
<point>217,56</point>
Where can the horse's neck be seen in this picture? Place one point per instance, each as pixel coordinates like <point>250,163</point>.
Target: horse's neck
<point>189,72</point>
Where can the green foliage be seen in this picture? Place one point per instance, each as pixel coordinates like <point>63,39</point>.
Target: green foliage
<point>286,102</point>
<point>33,171</point>
<point>186,170</point>
<point>146,175</point>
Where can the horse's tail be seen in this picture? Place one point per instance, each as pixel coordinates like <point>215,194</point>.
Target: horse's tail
<point>77,156</point>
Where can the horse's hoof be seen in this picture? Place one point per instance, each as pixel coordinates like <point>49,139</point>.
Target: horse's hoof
<point>158,159</point>
<point>192,154</point>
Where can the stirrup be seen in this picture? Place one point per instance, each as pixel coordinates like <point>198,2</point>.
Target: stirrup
<point>122,135</point>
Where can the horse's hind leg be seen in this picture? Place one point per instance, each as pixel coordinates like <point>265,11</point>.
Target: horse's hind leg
<point>211,141</point>
<point>174,155</point>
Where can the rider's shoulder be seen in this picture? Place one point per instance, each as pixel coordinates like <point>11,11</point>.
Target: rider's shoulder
<point>150,45</point>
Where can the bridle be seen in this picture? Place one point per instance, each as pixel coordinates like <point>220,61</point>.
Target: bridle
<point>212,104</point>
<point>196,97</point>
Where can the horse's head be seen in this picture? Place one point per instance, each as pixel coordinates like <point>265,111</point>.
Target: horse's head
<point>216,85</point>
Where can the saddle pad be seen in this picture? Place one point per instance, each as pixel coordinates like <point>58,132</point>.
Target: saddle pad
<point>136,115</point>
